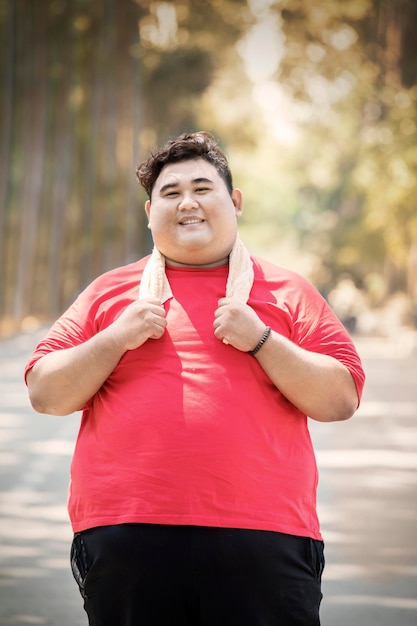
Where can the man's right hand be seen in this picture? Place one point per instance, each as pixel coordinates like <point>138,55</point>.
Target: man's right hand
<point>142,320</point>
<point>63,381</point>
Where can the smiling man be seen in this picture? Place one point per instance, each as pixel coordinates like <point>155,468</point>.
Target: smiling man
<point>192,214</point>
<point>193,482</point>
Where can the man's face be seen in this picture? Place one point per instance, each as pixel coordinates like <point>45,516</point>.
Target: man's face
<point>192,216</point>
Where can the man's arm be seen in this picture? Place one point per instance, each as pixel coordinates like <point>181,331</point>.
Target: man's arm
<point>317,384</point>
<point>62,382</point>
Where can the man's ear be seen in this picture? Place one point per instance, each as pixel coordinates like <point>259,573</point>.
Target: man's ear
<point>237,199</point>
<point>148,209</point>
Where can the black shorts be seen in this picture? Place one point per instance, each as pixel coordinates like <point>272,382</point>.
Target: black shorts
<point>151,575</point>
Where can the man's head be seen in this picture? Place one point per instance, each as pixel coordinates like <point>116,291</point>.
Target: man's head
<point>192,208</point>
<point>198,145</point>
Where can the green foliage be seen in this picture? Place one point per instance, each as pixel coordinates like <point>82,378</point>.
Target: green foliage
<point>315,103</point>
<point>348,67</point>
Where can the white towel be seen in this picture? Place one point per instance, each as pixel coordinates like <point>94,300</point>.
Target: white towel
<point>155,284</point>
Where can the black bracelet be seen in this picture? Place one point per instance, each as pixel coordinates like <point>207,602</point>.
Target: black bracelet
<point>261,341</point>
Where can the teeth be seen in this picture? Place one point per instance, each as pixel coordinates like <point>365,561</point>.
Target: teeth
<point>196,221</point>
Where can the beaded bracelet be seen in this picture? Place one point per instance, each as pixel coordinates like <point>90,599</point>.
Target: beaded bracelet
<point>261,341</point>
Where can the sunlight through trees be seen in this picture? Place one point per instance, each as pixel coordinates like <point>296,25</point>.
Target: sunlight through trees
<point>315,103</point>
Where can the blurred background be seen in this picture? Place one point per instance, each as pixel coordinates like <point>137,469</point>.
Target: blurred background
<point>314,102</point>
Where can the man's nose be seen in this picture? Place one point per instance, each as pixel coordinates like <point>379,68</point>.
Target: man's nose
<point>187,202</point>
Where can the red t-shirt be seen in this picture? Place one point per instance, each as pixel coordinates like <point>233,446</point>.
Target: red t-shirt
<point>187,430</point>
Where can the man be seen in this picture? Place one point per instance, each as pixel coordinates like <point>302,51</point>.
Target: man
<point>193,482</point>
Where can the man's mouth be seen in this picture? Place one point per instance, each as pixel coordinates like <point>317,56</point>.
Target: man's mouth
<point>191,220</point>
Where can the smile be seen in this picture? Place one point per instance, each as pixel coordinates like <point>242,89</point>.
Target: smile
<point>191,221</point>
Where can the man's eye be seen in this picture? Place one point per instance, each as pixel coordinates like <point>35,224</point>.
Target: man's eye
<point>202,189</point>
<point>171,194</point>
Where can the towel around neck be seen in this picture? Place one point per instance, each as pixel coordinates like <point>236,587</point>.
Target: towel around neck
<point>155,283</point>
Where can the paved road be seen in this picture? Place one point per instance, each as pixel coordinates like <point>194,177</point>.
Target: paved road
<point>367,498</point>
<point>368,495</point>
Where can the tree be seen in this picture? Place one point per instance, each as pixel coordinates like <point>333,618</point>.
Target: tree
<point>90,87</point>
<point>350,72</point>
